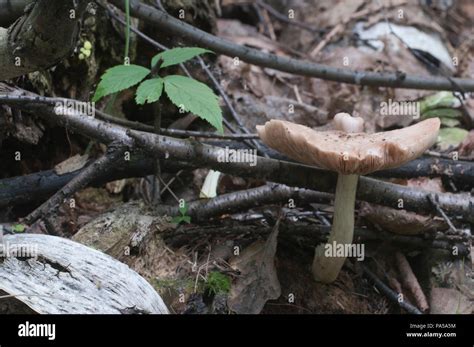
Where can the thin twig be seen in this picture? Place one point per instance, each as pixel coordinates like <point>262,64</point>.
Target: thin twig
<point>432,199</point>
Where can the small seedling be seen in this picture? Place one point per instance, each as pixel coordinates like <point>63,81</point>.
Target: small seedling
<point>183,218</point>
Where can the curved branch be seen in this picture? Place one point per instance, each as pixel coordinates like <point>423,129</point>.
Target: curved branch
<point>294,66</point>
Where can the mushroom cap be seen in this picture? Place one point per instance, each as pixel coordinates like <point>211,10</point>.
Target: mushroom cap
<point>350,153</point>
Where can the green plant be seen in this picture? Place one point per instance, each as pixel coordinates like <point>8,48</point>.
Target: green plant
<point>183,209</point>
<point>186,93</point>
<point>217,283</point>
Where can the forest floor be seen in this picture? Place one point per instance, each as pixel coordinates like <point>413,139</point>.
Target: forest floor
<point>256,257</point>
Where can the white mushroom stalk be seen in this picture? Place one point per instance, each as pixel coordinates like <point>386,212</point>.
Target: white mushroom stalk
<point>326,267</point>
<point>349,152</point>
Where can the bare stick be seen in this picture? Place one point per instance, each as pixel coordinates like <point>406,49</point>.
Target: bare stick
<point>432,199</point>
<point>410,281</point>
<point>389,293</point>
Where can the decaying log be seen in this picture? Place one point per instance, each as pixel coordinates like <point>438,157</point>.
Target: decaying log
<point>53,275</point>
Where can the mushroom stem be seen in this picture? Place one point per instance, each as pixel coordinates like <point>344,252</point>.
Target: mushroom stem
<point>326,263</point>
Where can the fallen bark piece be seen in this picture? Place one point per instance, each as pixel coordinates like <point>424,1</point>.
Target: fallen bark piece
<point>410,282</point>
<point>53,275</point>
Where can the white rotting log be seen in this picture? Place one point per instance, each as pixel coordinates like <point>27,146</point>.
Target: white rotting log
<point>59,276</point>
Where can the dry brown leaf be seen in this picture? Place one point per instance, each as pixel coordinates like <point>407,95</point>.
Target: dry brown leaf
<point>449,301</point>
<point>258,281</point>
<point>466,149</point>
<point>71,164</point>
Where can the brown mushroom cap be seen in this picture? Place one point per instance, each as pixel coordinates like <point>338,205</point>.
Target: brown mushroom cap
<point>350,153</point>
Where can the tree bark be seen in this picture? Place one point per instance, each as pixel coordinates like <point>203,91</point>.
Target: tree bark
<point>10,10</point>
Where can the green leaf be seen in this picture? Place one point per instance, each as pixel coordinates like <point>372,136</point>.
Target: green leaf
<point>177,56</point>
<point>181,219</point>
<point>195,97</point>
<point>440,99</point>
<point>18,228</point>
<point>177,220</point>
<point>186,219</point>
<point>149,91</point>
<point>451,137</point>
<point>118,78</point>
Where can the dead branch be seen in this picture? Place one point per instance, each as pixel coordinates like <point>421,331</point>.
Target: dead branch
<point>291,174</point>
<point>390,294</point>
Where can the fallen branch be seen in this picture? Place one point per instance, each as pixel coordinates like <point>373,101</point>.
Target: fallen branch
<point>370,190</point>
<point>461,173</point>
<point>202,210</point>
<point>295,66</point>
<point>101,166</point>
<point>291,174</point>
<point>40,185</point>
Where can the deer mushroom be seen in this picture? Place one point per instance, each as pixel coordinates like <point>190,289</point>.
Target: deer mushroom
<point>349,152</point>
